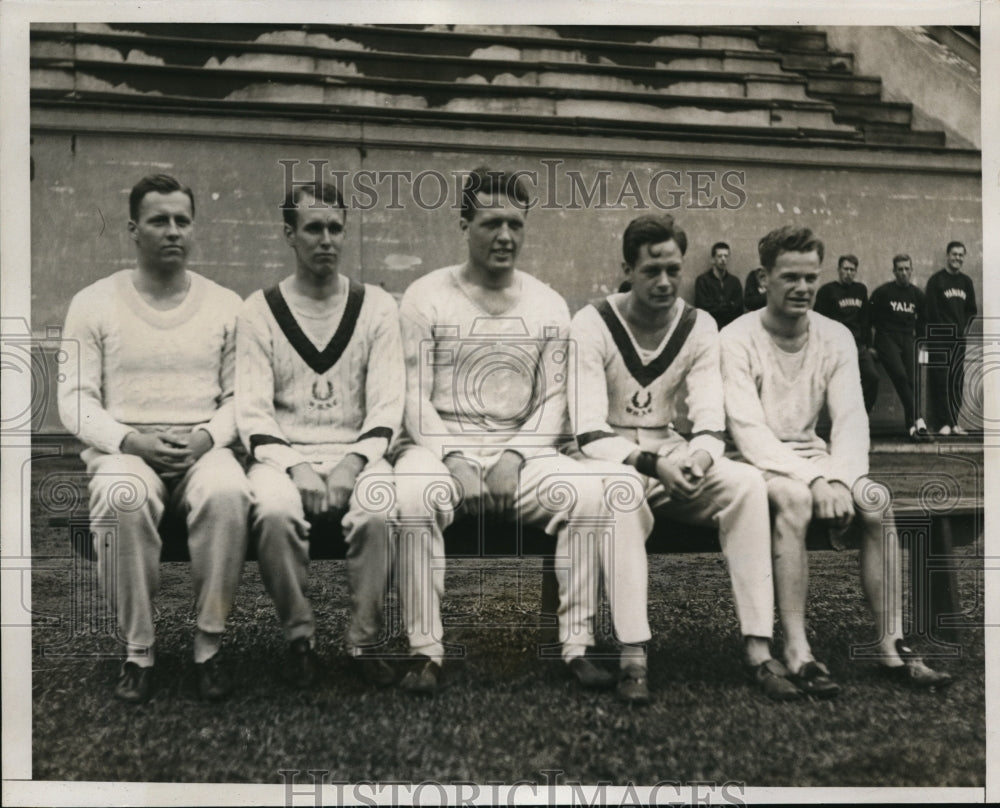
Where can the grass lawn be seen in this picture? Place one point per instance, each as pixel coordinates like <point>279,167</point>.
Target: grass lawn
<point>505,714</point>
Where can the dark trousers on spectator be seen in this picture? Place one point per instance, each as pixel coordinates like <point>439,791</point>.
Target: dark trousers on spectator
<point>869,378</point>
<point>946,384</point>
<point>897,353</point>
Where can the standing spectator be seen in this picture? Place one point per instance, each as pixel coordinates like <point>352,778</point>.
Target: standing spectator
<point>755,291</point>
<point>897,313</point>
<point>846,301</point>
<point>951,301</point>
<point>717,291</point>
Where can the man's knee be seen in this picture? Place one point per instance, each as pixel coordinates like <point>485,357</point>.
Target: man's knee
<point>124,485</point>
<point>791,501</point>
<point>872,502</point>
<point>424,497</point>
<point>275,505</point>
<point>740,480</point>
<point>220,485</point>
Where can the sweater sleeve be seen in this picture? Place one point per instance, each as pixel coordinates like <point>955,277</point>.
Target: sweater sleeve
<point>824,303</point>
<point>255,416</point>
<point>423,424</point>
<point>384,383</point>
<point>745,415</point>
<point>864,319</point>
<point>933,301</point>
<point>971,310</point>
<point>222,425</point>
<point>589,409</point>
<point>703,297</point>
<point>80,396</point>
<point>920,327</point>
<point>849,441</point>
<point>704,391</point>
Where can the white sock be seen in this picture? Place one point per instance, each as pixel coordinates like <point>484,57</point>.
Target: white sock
<point>571,652</point>
<point>206,645</point>
<point>143,657</point>
<point>435,652</point>
<point>633,655</point>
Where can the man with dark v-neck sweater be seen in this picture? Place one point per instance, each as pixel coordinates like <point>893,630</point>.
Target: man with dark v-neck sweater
<point>318,400</point>
<point>650,397</point>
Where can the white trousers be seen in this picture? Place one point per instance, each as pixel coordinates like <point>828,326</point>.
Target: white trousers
<point>556,493</point>
<point>733,500</point>
<point>128,499</point>
<point>281,532</point>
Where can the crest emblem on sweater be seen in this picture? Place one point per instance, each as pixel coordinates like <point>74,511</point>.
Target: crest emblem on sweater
<point>640,404</point>
<point>322,394</point>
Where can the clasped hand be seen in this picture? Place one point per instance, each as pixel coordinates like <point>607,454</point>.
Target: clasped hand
<point>494,493</point>
<point>332,495</point>
<point>683,480</point>
<point>172,450</point>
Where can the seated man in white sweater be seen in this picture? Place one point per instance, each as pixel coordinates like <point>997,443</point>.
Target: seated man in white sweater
<point>153,403</point>
<point>649,395</point>
<point>781,364</point>
<point>319,397</point>
<point>485,347</point>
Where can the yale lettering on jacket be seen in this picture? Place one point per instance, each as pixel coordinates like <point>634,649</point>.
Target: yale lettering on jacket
<point>903,308</point>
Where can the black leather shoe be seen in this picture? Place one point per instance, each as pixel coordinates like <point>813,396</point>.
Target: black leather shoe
<point>213,681</point>
<point>303,666</point>
<point>423,677</point>
<point>773,680</point>
<point>135,684</point>
<point>591,675</point>
<point>633,687</point>
<point>914,672</point>
<point>374,669</point>
<point>814,679</point>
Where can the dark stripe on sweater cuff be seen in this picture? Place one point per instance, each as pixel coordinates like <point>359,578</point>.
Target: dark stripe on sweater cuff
<point>590,437</point>
<point>263,440</point>
<point>376,432</point>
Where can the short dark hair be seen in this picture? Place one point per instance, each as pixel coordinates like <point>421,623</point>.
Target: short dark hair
<point>327,192</point>
<point>787,239</point>
<point>719,245</point>
<point>489,181</point>
<point>952,244</point>
<point>155,183</point>
<point>899,258</point>
<point>651,229</point>
<point>850,259</point>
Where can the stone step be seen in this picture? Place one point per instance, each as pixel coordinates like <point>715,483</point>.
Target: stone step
<point>854,110</point>
<point>525,121</point>
<point>352,90</point>
<point>116,49</point>
<point>827,84</point>
<point>434,42</point>
<point>886,136</point>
